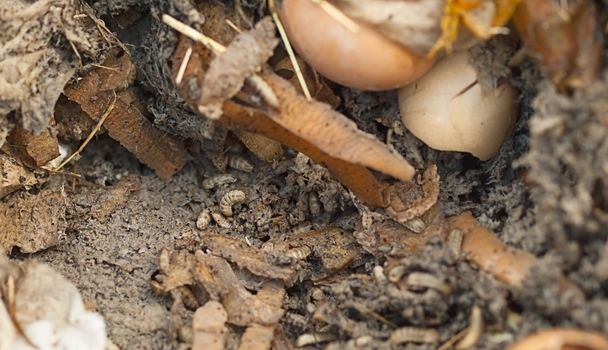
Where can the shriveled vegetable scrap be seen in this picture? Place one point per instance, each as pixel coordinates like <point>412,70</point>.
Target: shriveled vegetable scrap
<point>311,127</point>
<point>566,38</point>
<point>486,251</point>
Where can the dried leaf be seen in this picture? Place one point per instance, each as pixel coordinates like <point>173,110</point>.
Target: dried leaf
<point>34,150</point>
<point>13,175</point>
<point>357,178</point>
<point>332,132</point>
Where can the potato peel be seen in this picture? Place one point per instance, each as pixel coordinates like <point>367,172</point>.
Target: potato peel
<point>562,339</point>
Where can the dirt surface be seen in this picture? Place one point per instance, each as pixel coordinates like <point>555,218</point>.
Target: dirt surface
<point>300,244</point>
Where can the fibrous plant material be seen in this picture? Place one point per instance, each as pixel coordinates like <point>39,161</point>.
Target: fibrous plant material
<point>247,257</point>
<point>567,40</point>
<point>126,123</point>
<point>562,339</point>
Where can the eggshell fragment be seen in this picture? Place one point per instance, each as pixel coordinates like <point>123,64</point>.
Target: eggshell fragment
<point>365,60</point>
<point>450,110</point>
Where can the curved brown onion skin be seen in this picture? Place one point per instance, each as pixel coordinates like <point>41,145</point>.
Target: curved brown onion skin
<point>365,60</point>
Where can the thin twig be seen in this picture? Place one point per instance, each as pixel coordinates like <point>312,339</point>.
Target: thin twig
<point>338,16</point>
<point>91,135</point>
<point>194,34</point>
<point>183,65</point>
<point>233,26</point>
<point>290,53</point>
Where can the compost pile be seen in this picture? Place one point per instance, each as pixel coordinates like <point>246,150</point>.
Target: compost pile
<point>172,177</point>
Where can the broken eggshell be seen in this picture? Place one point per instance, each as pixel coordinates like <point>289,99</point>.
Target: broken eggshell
<point>450,110</point>
<point>364,59</point>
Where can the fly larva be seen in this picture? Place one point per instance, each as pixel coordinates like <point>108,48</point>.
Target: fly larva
<point>229,199</point>
<point>299,253</point>
<point>415,225</point>
<point>395,274</point>
<point>427,280</point>
<point>314,338</point>
<point>378,273</point>
<point>218,180</point>
<point>203,219</point>
<point>454,243</point>
<point>473,331</point>
<point>220,220</point>
<point>314,205</point>
<point>264,90</point>
<point>413,335</point>
<point>164,260</point>
<point>240,163</point>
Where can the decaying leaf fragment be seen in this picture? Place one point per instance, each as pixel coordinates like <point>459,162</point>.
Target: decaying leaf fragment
<point>353,175</point>
<point>257,337</point>
<point>126,123</point>
<point>13,175</point>
<point>243,308</point>
<point>227,73</point>
<point>33,222</point>
<point>115,197</point>
<point>244,256</point>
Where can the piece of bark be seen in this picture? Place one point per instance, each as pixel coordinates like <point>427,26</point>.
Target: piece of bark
<point>126,123</point>
<point>35,150</point>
